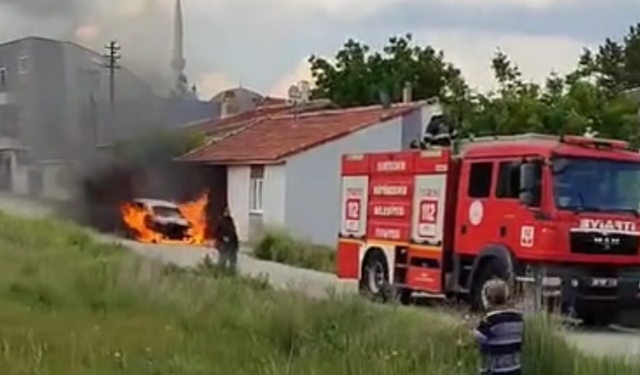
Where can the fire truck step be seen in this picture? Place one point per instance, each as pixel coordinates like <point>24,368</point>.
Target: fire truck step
<point>429,295</point>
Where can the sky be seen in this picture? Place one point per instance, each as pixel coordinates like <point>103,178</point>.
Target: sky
<point>263,44</point>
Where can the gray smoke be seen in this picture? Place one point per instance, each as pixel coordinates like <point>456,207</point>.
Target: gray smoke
<point>41,8</point>
<point>142,28</point>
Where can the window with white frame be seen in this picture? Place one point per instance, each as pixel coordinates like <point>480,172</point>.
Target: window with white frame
<point>256,189</point>
<point>255,197</point>
<point>23,64</point>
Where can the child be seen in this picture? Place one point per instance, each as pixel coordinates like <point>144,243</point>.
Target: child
<point>500,333</point>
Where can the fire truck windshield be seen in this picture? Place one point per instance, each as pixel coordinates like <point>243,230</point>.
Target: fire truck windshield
<point>601,185</point>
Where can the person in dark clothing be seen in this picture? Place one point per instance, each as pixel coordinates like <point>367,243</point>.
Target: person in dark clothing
<point>227,242</point>
<point>500,333</point>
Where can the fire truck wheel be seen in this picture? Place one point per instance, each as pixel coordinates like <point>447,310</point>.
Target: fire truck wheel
<point>595,317</point>
<point>491,270</point>
<point>374,282</point>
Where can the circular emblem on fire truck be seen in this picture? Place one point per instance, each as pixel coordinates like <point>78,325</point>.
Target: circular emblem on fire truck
<point>476,212</point>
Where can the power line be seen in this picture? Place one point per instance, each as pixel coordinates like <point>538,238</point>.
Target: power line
<point>112,57</point>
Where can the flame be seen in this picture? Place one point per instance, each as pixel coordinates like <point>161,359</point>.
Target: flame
<point>194,212</point>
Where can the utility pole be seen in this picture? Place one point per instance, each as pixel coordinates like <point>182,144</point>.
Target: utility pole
<point>112,57</point>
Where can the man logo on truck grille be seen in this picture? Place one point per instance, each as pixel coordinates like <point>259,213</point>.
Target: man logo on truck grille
<point>606,242</point>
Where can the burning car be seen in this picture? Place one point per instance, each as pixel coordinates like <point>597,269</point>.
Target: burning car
<point>161,221</point>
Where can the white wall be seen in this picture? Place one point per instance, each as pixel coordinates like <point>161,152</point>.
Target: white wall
<point>20,177</point>
<point>53,186</point>
<point>273,194</point>
<point>238,198</point>
<point>313,180</point>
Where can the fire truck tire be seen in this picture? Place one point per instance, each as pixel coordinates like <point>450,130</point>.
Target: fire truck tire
<point>489,270</point>
<point>595,317</point>
<point>374,280</point>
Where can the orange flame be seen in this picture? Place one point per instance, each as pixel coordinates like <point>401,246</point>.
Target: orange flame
<point>195,213</point>
<point>136,218</point>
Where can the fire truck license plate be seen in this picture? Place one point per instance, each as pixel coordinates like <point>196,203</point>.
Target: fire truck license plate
<point>604,282</point>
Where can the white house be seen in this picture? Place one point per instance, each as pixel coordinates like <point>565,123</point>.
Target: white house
<point>283,168</point>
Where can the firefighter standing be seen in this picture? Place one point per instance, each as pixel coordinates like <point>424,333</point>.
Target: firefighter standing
<point>500,333</point>
<point>227,242</point>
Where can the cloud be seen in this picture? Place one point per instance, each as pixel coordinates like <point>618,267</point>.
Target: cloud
<point>209,84</point>
<point>472,50</point>
<point>263,42</point>
<point>302,72</point>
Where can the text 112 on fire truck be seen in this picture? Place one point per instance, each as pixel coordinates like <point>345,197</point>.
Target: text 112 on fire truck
<point>441,222</point>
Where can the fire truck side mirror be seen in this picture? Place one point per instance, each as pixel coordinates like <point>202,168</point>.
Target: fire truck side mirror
<point>530,182</point>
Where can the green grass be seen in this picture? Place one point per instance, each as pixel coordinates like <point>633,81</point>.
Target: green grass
<point>70,306</point>
<point>279,246</point>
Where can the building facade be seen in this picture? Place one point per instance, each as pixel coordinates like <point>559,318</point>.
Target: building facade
<point>283,170</point>
<point>54,98</point>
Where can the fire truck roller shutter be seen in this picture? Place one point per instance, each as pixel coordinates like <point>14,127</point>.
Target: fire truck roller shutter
<point>375,275</point>
<point>494,261</point>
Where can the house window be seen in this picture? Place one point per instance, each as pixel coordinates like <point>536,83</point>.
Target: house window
<point>3,79</point>
<point>23,64</point>
<point>256,188</point>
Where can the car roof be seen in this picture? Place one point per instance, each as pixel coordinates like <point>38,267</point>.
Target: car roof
<point>155,202</point>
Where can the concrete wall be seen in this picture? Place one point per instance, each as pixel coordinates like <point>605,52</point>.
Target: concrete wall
<point>303,195</point>
<point>56,182</point>
<point>238,198</point>
<point>250,223</point>
<point>274,195</point>
<point>53,98</point>
<point>312,207</point>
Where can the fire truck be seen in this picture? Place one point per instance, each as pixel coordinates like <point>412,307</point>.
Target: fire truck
<point>442,221</point>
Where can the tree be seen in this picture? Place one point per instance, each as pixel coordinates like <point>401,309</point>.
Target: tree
<point>360,76</point>
<point>563,104</point>
<point>615,64</point>
<point>591,96</point>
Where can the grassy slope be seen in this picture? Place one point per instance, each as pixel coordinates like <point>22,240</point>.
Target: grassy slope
<point>71,306</point>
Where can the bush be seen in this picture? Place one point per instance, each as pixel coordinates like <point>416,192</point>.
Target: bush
<point>71,306</point>
<point>279,246</point>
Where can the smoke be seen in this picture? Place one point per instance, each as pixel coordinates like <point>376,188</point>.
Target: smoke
<point>45,7</point>
<point>142,28</point>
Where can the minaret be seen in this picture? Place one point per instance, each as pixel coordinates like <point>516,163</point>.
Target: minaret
<point>178,62</point>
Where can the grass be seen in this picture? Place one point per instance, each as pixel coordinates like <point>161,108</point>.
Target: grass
<point>279,246</point>
<point>71,306</point>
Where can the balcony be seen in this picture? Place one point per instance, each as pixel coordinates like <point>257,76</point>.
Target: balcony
<point>7,98</point>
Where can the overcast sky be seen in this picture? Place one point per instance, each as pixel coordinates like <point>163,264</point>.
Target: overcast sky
<point>263,44</point>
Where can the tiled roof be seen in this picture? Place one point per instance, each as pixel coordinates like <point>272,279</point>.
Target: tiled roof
<point>273,137</point>
<point>216,125</point>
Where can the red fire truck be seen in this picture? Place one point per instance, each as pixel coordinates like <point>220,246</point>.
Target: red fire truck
<point>440,222</point>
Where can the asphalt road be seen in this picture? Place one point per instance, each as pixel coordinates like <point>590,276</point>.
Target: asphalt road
<point>618,342</point>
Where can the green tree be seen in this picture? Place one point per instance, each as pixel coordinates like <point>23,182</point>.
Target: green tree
<point>615,64</point>
<point>563,104</point>
<point>359,76</point>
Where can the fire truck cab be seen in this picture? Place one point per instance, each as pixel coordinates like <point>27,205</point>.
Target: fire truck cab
<point>563,210</point>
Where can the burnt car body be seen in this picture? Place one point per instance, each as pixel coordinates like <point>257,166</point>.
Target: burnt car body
<point>164,217</point>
